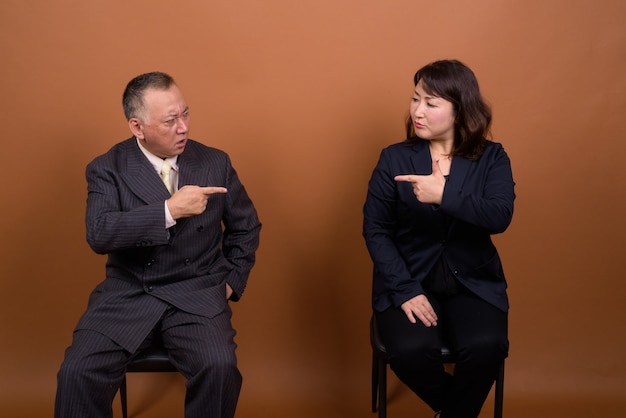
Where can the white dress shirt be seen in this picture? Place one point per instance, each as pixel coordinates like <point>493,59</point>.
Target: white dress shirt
<point>157,163</point>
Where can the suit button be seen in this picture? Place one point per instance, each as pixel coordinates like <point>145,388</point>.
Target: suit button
<point>149,289</point>
<point>187,261</point>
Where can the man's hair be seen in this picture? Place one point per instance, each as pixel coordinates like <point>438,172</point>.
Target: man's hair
<point>455,82</point>
<point>132,100</point>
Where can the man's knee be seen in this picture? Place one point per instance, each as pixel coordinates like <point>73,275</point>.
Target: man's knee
<point>224,362</point>
<point>82,360</point>
<point>69,370</point>
<point>73,367</point>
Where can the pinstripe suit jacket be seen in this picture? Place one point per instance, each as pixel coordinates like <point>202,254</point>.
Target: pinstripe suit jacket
<point>150,267</point>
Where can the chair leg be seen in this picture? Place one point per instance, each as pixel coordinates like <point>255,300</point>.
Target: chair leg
<point>123,398</point>
<point>374,382</point>
<point>499,395</point>
<point>382,388</point>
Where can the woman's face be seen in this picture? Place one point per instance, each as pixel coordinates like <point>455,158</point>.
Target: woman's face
<point>433,117</point>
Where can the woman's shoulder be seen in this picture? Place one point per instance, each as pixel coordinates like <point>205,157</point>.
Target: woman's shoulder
<point>494,145</point>
<point>493,148</point>
<point>408,145</point>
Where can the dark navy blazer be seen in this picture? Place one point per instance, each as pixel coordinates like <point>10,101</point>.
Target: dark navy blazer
<point>405,238</point>
<point>150,267</point>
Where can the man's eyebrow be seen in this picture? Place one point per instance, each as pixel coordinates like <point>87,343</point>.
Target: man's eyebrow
<point>176,114</point>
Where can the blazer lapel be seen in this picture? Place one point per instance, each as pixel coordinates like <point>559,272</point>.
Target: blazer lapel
<point>423,165</point>
<point>458,172</point>
<point>420,159</point>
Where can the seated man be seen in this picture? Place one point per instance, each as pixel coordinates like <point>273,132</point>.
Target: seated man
<point>180,233</point>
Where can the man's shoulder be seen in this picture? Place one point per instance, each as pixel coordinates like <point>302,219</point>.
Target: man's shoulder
<point>202,151</point>
<point>121,147</point>
<point>200,147</point>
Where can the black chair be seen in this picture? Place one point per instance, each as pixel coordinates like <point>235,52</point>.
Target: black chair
<point>152,359</point>
<point>379,375</point>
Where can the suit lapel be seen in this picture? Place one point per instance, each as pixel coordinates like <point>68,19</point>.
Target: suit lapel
<point>190,169</point>
<point>139,175</point>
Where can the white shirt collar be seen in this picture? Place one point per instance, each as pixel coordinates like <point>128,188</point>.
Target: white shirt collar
<point>157,162</point>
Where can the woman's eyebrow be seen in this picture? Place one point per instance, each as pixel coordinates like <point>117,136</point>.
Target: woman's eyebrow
<point>427,96</point>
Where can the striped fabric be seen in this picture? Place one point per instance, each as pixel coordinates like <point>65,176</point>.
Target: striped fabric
<point>150,269</point>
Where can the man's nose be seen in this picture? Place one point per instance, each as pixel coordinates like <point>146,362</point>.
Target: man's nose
<point>182,125</point>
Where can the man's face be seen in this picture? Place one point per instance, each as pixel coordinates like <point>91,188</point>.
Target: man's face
<point>163,127</point>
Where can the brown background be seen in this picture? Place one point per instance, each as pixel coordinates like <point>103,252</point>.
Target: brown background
<point>303,95</point>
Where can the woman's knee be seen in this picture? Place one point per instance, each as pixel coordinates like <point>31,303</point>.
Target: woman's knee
<point>484,349</point>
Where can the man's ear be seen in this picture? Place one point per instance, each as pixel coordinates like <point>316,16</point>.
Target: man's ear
<point>136,127</point>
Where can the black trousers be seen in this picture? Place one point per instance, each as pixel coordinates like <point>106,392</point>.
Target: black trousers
<point>202,349</point>
<point>473,329</point>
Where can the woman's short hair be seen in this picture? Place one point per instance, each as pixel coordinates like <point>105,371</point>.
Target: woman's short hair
<point>455,82</point>
<point>132,99</point>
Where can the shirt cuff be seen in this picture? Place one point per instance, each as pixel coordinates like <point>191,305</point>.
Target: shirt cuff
<point>169,221</point>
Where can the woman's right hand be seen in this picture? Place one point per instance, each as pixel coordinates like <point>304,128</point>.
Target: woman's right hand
<point>420,308</point>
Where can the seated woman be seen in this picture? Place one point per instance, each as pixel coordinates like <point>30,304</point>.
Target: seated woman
<point>433,202</point>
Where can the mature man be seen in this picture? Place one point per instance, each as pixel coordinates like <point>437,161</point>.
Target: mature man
<point>180,233</point>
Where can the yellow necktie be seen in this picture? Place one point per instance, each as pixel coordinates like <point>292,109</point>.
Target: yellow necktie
<point>166,168</point>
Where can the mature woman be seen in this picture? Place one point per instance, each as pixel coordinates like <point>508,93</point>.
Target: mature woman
<point>433,202</point>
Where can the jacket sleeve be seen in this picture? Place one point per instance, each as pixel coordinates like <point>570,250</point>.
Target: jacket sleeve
<point>110,227</point>
<point>241,233</point>
<point>391,273</point>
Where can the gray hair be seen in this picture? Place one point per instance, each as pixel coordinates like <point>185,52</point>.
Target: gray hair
<point>132,100</point>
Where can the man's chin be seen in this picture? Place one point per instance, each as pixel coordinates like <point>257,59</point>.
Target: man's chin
<point>180,146</point>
